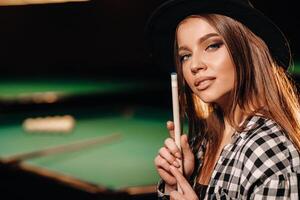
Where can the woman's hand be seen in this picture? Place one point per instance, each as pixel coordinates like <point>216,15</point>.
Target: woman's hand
<point>169,155</point>
<point>187,191</point>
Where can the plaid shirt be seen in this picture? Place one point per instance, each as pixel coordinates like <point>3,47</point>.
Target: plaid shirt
<point>259,163</point>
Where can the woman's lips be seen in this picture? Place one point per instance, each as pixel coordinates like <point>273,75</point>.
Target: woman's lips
<point>202,83</point>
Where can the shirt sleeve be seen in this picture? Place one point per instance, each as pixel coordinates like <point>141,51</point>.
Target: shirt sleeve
<point>279,187</point>
<point>161,191</point>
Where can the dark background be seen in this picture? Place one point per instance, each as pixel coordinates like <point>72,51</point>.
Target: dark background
<point>97,38</point>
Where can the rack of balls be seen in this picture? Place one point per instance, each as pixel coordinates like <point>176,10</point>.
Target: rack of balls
<point>49,124</point>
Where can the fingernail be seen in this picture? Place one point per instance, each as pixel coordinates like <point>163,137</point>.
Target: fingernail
<point>178,155</point>
<point>176,164</point>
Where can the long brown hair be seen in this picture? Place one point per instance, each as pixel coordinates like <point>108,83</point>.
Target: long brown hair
<point>261,85</point>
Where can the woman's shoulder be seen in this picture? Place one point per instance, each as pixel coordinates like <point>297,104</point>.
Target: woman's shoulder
<point>262,132</point>
<point>266,144</point>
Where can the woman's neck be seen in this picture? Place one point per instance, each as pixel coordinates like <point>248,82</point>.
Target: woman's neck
<point>238,119</point>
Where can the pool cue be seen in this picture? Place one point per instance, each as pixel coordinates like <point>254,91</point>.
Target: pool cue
<point>176,118</point>
<point>62,148</point>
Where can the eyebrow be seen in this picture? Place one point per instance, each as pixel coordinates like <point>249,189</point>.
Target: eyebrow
<point>202,39</point>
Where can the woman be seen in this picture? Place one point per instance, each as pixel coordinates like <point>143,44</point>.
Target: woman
<point>242,108</point>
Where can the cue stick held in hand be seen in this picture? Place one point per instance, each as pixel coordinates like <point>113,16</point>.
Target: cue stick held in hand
<point>176,118</point>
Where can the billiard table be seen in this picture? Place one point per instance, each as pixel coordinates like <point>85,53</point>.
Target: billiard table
<point>119,169</point>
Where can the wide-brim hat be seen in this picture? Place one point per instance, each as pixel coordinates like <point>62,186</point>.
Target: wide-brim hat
<point>161,26</point>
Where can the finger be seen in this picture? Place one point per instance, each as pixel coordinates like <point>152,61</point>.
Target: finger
<point>176,195</point>
<point>172,147</point>
<point>186,150</point>
<point>160,162</point>
<point>183,183</point>
<point>164,153</point>
<point>167,177</point>
<point>170,126</point>
<point>163,169</point>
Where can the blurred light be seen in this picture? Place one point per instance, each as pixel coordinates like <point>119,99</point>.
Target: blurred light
<point>26,2</point>
<point>46,97</point>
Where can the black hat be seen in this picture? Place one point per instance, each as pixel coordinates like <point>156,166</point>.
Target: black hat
<point>161,26</point>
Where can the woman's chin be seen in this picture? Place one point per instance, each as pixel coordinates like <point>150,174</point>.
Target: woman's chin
<point>207,99</point>
<point>221,100</point>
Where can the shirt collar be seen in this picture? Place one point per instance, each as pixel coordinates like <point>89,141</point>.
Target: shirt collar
<point>252,123</point>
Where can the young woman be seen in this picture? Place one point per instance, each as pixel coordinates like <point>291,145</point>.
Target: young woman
<point>241,106</point>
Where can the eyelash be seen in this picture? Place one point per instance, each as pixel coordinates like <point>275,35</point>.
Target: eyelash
<point>214,46</point>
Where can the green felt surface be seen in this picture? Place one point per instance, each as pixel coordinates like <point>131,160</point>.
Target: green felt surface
<point>123,163</point>
<point>295,69</point>
<point>18,88</point>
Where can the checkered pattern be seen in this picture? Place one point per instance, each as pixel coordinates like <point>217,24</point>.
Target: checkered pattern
<point>259,163</point>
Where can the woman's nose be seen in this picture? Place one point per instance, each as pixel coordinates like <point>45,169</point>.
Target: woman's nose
<point>197,65</point>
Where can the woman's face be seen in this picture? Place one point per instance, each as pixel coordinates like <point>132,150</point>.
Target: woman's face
<point>206,63</point>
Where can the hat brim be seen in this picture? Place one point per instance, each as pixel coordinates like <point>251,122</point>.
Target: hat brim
<point>162,24</point>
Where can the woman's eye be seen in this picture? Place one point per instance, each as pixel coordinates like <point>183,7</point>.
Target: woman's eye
<point>214,46</point>
<point>184,58</point>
